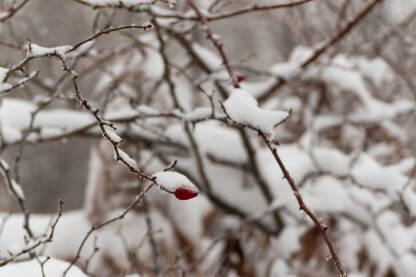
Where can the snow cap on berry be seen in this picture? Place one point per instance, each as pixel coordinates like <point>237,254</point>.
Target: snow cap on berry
<point>177,184</point>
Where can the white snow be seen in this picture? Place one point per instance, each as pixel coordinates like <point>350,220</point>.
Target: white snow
<point>398,10</point>
<point>18,189</point>
<point>409,198</point>
<point>348,74</point>
<point>221,142</point>
<point>195,211</point>
<point>332,160</point>
<point>281,268</point>
<point>288,240</point>
<point>213,139</point>
<point>208,57</point>
<point>171,181</point>
<point>297,163</point>
<point>256,88</point>
<point>15,118</point>
<point>62,118</point>
<point>371,174</point>
<point>47,132</point>
<point>4,164</point>
<point>3,72</point>
<point>397,236</point>
<point>15,113</point>
<point>4,86</point>
<point>376,70</point>
<point>300,54</point>
<point>95,179</point>
<point>131,162</point>
<point>4,14</point>
<point>406,265</point>
<point>67,239</point>
<point>119,109</point>
<point>377,251</point>
<point>10,134</point>
<point>286,70</point>
<point>360,194</point>
<point>81,49</point>
<point>328,188</point>
<point>14,185</point>
<point>197,114</point>
<point>151,61</point>
<point>372,202</point>
<point>243,108</point>
<point>112,134</point>
<point>322,122</point>
<point>34,50</point>
<point>146,110</point>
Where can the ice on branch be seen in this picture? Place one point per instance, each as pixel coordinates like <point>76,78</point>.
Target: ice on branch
<point>243,108</point>
<point>177,184</point>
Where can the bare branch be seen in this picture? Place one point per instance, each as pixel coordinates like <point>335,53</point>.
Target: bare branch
<point>38,243</point>
<point>12,11</point>
<point>322,49</point>
<point>101,225</point>
<point>215,39</point>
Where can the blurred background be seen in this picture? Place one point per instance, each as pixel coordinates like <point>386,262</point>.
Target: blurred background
<point>349,143</point>
<point>259,39</point>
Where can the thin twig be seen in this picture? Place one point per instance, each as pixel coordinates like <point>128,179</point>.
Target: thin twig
<point>192,140</point>
<point>12,11</point>
<point>101,225</point>
<point>321,50</point>
<point>5,171</point>
<point>215,39</point>
<point>256,8</point>
<point>39,242</point>
<point>107,31</point>
<point>20,83</point>
<point>302,206</point>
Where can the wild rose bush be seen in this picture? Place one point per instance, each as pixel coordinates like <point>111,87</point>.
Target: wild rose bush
<point>295,161</point>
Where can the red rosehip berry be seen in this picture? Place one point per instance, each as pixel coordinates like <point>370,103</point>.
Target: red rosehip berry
<point>239,78</point>
<point>184,193</point>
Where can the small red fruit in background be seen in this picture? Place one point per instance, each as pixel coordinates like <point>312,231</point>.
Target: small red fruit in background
<point>239,78</point>
<point>184,193</point>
